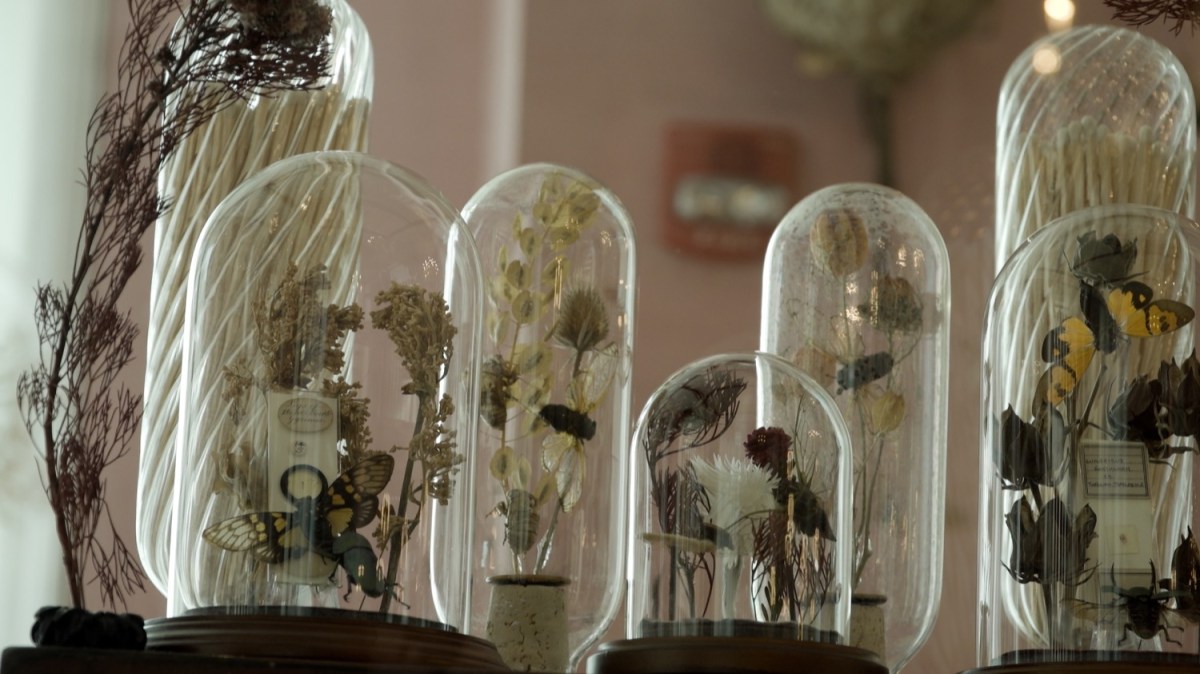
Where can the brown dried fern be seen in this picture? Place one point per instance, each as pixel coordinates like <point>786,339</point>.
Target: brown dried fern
<point>74,407</point>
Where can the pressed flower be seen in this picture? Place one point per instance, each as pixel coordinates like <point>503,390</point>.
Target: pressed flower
<point>1049,546</point>
<point>1179,387</point>
<point>1104,260</point>
<point>819,363</point>
<point>421,328</point>
<point>1027,451</point>
<point>839,241</point>
<point>768,448</point>
<point>1138,415</point>
<point>739,493</point>
<point>893,305</point>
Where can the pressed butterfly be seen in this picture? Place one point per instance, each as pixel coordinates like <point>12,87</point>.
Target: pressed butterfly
<point>1127,310</point>
<point>323,512</point>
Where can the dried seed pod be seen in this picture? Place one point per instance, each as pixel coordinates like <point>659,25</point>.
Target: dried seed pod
<point>839,241</point>
<point>885,412</point>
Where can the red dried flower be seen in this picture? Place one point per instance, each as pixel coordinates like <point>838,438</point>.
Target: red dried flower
<point>768,448</point>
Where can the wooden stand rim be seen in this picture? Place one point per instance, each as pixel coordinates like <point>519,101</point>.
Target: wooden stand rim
<point>324,638</point>
<point>679,655</point>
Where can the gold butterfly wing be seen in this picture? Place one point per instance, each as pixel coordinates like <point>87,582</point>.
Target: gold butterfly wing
<point>264,535</point>
<point>1068,349</point>
<point>351,501</point>
<point>1137,315</point>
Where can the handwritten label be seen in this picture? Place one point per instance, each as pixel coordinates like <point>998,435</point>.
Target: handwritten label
<point>1115,470</point>
<point>306,415</point>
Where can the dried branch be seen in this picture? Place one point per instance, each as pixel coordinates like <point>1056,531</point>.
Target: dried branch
<point>171,81</point>
<point>1175,13</point>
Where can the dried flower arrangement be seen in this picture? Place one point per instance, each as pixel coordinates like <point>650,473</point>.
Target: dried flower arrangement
<point>301,347</point>
<point>74,407</point>
<point>713,513</point>
<point>521,385</point>
<point>1082,419</point>
<point>869,386</point>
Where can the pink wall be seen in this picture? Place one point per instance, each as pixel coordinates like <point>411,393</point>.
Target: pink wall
<point>602,79</point>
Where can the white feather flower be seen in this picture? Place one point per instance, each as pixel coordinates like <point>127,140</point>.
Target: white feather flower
<point>739,495</point>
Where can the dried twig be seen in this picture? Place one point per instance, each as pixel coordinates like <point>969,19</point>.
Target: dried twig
<point>73,404</point>
<point>1175,13</point>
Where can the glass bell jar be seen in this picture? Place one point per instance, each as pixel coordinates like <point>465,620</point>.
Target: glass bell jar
<point>1090,116</point>
<point>1091,407</point>
<point>557,257</point>
<point>329,402</point>
<point>856,293</point>
<point>740,538</point>
<point>216,157</point>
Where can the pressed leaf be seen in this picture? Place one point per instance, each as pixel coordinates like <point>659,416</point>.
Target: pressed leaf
<point>503,463</point>
<point>524,308</point>
<point>527,239</point>
<point>518,274</point>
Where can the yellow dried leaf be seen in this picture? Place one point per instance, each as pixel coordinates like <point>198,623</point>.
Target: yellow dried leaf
<point>524,308</point>
<point>527,239</point>
<point>885,412</point>
<point>500,290</point>
<point>561,236</point>
<point>532,357</point>
<point>503,463</point>
<point>517,274</point>
<point>497,326</point>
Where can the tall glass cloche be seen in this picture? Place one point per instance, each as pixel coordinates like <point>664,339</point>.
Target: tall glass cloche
<point>329,401</point>
<point>209,163</point>
<point>856,293</point>
<point>1090,116</point>
<point>1091,398</point>
<point>558,262</point>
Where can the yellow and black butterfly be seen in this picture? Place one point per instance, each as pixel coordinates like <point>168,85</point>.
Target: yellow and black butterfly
<point>1127,310</point>
<point>323,511</point>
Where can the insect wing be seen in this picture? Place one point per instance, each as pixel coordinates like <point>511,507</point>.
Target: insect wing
<point>589,387</point>
<point>1069,349</point>
<point>562,453</point>
<point>555,447</point>
<point>569,478</point>
<point>1137,315</point>
<point>351,500</point>
<point>261,534</point>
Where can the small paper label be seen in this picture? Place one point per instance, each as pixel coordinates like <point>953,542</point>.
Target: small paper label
<point>307,414</point>
<point>301,431</point>
<point>1116,485</point>
<point>1115,471</point>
